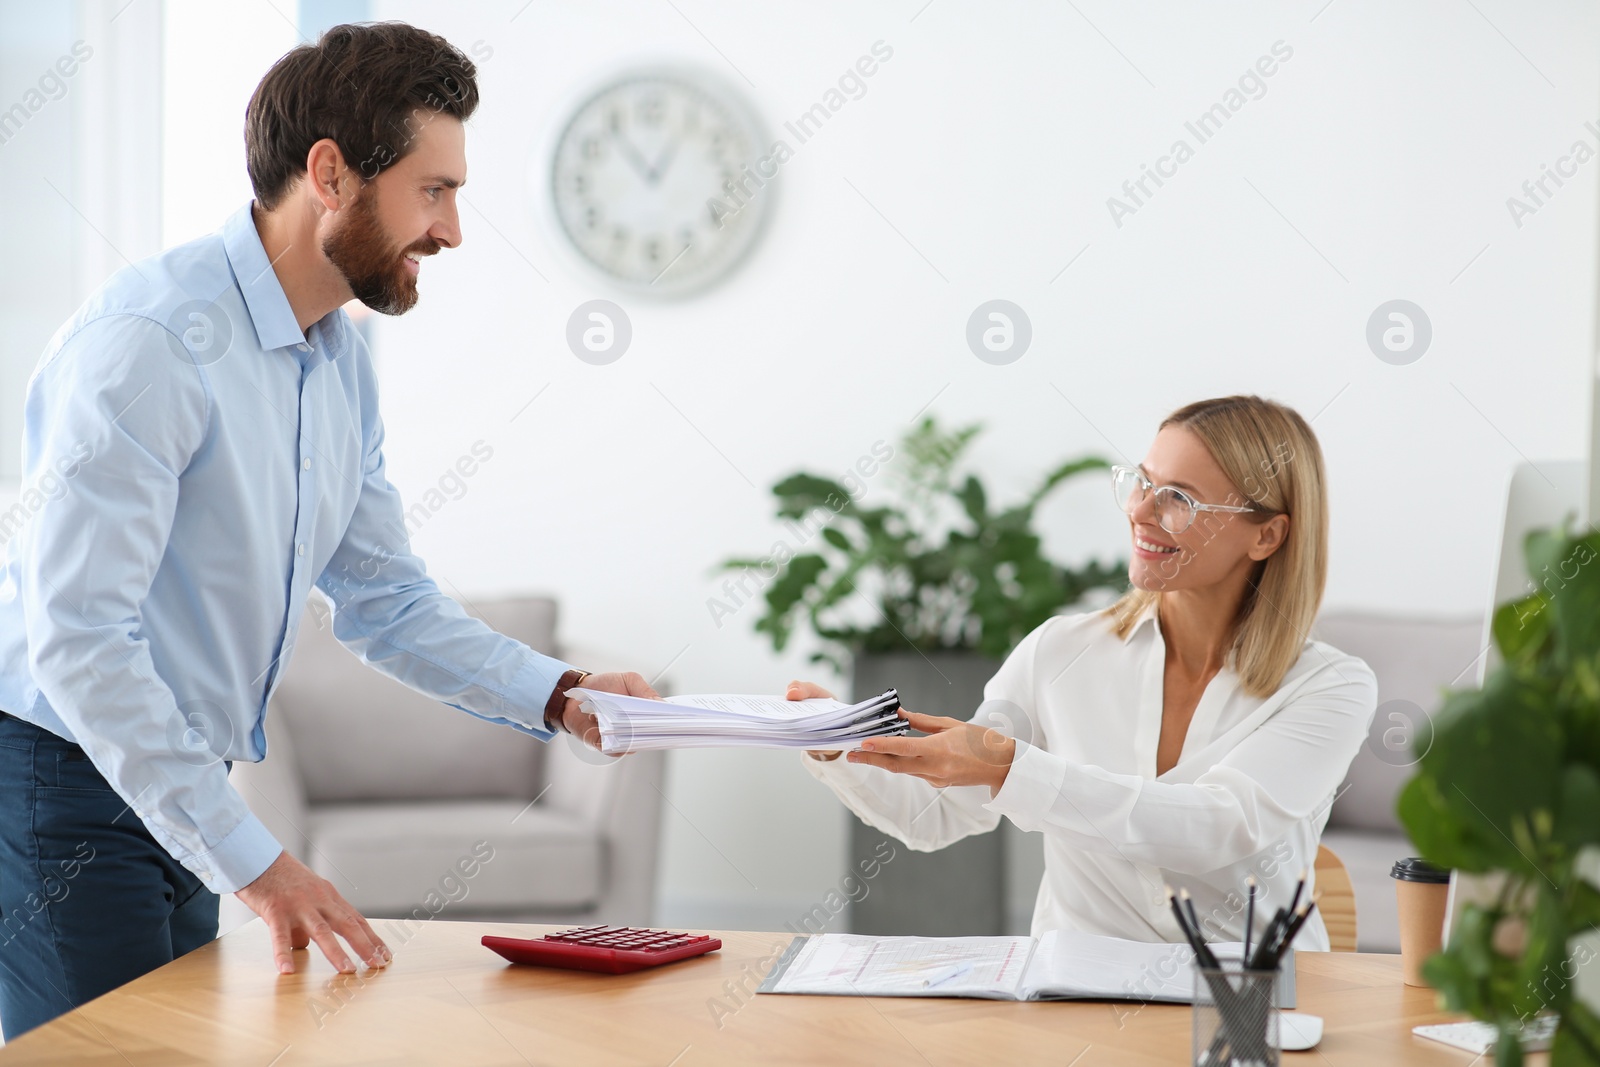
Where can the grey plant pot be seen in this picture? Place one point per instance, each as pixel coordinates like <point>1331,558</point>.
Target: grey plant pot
<point>961,889</point>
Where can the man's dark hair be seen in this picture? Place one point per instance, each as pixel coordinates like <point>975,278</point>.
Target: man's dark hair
<point>357,86</point>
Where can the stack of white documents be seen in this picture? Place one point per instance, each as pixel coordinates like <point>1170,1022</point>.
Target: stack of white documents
<point>632,724</point>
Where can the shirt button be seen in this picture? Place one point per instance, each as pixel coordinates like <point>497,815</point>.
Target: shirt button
<point>303,348</point>
<point>300,549</point>
<point>305,464</point>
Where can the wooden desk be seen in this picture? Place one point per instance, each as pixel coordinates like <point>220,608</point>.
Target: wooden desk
<point>448,1000</point>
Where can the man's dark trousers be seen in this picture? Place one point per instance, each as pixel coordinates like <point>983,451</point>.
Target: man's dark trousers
<point>88,899</point>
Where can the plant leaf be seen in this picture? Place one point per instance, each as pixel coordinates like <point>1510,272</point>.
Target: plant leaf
<point>798,576</point>
<point>837,539</point>
<point>1065,471</point>
<point>1521,628</point>
<point>973,500</point>
<point>1578,812</point>
<point>799,493</point>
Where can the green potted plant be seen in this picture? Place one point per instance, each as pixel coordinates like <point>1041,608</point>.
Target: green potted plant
<point>937,571</point>
<point>1509,790</point>
<point>925,593</point>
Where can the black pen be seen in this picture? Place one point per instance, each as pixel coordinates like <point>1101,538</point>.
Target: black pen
<point>1279,921</point>
<point>1249,917</point>
<point>1222,994</point>
<point>1183,921</point>
<point>1191,933</point>
<point>1298,889</point>
<point>1294,928</point>
<point>1262,953</point>
<point>1203,950</point>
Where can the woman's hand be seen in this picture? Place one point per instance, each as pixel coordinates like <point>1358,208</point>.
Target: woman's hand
<point>805,691</point>
<point>954,753</point>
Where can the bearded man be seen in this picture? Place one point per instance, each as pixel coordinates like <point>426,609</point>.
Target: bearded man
<point>206,435</point>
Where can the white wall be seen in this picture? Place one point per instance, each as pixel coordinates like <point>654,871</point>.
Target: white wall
<point>37,167</point>
<point>80,110</point>
<point>1377,166</point>
<point>216,53</point>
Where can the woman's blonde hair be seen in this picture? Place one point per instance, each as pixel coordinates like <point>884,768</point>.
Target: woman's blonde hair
<point>1270,453</point>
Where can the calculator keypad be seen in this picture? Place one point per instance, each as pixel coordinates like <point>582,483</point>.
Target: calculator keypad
<point>638,939</point>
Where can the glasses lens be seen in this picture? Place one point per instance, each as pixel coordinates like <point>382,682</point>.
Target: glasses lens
<point>1125,484</point>
<point>1174,510</point>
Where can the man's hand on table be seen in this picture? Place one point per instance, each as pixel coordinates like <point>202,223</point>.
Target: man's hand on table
<point>300,907</point>
<point>580,724</point>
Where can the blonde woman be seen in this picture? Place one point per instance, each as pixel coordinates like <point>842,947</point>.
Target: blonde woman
<point>1190,734</point>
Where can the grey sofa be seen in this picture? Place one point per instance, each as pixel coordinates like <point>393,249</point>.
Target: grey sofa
<point>395,797</point>
<point>1415,660</point>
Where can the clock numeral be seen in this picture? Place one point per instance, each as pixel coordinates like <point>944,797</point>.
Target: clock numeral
<point>651,109</point>
<point>614,119</point>
<point>593,148</point>
<point>580,184</point>
<point>591,216</point>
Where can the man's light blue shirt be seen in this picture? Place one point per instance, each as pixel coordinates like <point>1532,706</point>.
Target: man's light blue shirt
<point>192,465</point>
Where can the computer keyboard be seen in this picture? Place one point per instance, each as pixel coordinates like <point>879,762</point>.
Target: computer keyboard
<point>1479,1037</point>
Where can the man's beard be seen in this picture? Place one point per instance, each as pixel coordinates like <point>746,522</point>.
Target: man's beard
<point>369,260</point>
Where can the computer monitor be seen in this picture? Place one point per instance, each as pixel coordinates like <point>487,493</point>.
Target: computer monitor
<point>1540,494</point>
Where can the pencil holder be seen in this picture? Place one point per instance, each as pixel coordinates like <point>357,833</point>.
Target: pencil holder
<point>1235,1017</point>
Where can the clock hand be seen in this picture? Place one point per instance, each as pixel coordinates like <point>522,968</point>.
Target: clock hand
<point>661,164</point>
<point>635,160</point>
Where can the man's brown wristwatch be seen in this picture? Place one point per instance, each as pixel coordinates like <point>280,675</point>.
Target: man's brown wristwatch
<point>556,706</point>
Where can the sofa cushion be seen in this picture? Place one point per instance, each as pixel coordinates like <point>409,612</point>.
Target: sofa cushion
<point>1415,660</point>
<point>391,859</point>
<point>361,736</point>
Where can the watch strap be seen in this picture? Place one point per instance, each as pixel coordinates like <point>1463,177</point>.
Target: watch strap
<point>557,703</point>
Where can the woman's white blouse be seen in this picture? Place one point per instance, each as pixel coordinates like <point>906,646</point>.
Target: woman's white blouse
<point>1249,794</point>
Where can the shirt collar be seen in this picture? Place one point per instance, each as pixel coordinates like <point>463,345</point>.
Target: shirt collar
<point>264,297</point>
<point>1149,616</point>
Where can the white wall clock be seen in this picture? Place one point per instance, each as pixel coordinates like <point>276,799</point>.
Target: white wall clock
<point>660,179</point>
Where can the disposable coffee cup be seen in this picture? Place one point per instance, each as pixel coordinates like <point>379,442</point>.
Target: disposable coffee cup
<point>1421,890</point>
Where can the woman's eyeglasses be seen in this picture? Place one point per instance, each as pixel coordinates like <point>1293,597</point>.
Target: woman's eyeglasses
<point>1175,509</point>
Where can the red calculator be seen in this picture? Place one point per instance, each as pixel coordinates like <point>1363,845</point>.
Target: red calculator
<point>608,949</point>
